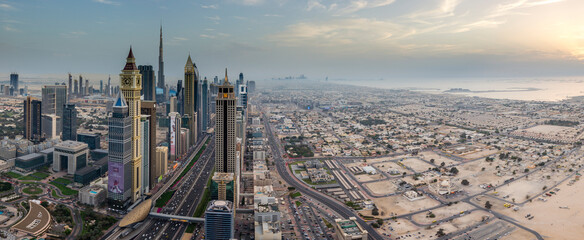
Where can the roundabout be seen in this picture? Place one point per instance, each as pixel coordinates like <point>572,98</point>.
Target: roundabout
<point>33,190</point>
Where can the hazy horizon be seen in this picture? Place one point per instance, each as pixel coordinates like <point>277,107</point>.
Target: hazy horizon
<point>348,39</point>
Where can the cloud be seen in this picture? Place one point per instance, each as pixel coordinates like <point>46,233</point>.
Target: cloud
<point>5,6</point>
<point>250,2</point>
<point>107,2</point>
<point>339,32</point>
<point>214,18</point>
<point>314,4</point>
<point>207,36</point>
<point>446,9</point>
<point>174,41</point>
<point>73,34</point>
<point>213,6</point>
<point>272,15</point>
<point>357,5</point>
<point>9,28</point>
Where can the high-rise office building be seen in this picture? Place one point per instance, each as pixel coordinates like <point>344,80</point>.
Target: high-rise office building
<point>32,119</point>
<point>49,128</point>
<point>219,223</point>
<point>120,154</point>
<point>226,160</point>
<point>100,86</point>
<point>161,167</point>
<point>149,110</point>
<point>204,105</point>
<point>14,83</point>
<point>148,87</point>
<point>86,92</point>
<point>145,140</point>
<point>172,104</point>
<point>70,86</point>
<point>109,86</point>
<point>225,129</point>
<point>174,134</point>
<point>180,96</point>
<point>251,86</point>
<point>81,89</point>
<point>131,84</point>
<point>69,123</point>
<point>76,90</point>
<point>190,98</point>
<point>161,83</point>
<point>242,99</point>
<point>197,97</point>
<point>54,98</point>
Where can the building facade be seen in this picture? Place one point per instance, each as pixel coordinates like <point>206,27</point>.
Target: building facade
<point>149,110</point>
<point>148,86</point>
<point>131,85</point>
<point>120,154</point>
<point>70,156</point>
<point>69,123</point>
<point>219,224</point>
<point>32,119</point>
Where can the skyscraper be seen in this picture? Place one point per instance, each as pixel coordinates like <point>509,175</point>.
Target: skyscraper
<point>131,85</point>
<point>225,143</point>
<point>204,105</point>
<point>197,97</point>
<point>190,99</point>
<point>120,154</point>
<point>76,86</point>
<point>81,89</point>
<point>180,96</point>
<point>219,223</point>
<point>174,134</point>
<point>148,87</point>
<point>54,99</point>
<point>32,119</point>
<point>109,86</point>
<point>86,91</point>
<point>14,83</point>
<point>149,109</point>
<point>69,91</point>
<point>161,83</point>
<point>69,123</point>
<point>100,86</point>
<point>145,141</point>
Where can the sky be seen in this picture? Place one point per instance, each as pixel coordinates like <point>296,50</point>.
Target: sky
<point>344,39</point>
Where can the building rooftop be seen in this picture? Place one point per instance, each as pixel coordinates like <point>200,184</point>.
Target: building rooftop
<point>30,156</point>
<point>71,145</point>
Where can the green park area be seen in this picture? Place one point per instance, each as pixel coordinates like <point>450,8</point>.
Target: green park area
<point>164,198</point>
<point>61,184</point>
<point>32,190</point>
<point>94,224</point>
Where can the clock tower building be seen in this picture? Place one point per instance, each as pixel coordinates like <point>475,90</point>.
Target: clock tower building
<point>131,84</point>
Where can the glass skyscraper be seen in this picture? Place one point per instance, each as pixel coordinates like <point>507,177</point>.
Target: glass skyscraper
<point>120,154</point>
<point>69,123</point>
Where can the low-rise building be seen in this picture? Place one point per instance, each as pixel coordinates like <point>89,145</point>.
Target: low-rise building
<point>349,229</point>
<point>92,195</point>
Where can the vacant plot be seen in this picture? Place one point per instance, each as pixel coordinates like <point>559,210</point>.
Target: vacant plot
<point>382,187</point>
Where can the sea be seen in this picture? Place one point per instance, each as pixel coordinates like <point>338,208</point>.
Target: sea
<point>527,89</point>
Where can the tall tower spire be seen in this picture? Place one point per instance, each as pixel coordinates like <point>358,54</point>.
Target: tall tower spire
<point>161,83</point>
<point>130,81</point>
<point>226,75</point>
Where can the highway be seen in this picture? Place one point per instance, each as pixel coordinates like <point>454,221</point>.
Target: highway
<point>117,232</point>
<point>185,200</point>
<point>334,205</point>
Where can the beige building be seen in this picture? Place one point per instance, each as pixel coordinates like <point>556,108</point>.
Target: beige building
<point>70,156</point>
<point>161,167</point>
<point>349,229</point>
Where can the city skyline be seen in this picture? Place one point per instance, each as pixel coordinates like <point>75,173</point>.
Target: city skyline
<point>340,39</point>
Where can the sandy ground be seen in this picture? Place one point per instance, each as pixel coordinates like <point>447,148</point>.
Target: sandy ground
<point>441,213</point>
<point>427,155</point>
<point>416,164</point>
<point>366,177</point>
<point>387,166</point>
<point>549,129</point>
<point>400,205</point>
<point>550,220</point>
<point>480,154</point>
<point>381,188</point>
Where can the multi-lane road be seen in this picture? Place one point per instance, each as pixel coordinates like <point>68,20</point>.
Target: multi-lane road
<point>206,157</point>
<point>334,205</point>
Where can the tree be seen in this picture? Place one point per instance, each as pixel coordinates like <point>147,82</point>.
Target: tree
<point>380,222</point>
<point>432,160</point>
<point>465,182</point>
<point>442,164</point>
<point>440,232</point>
<point>375,211</point>
<point>45,204</point>
<point>454,170</point>
<point>488,205</point>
